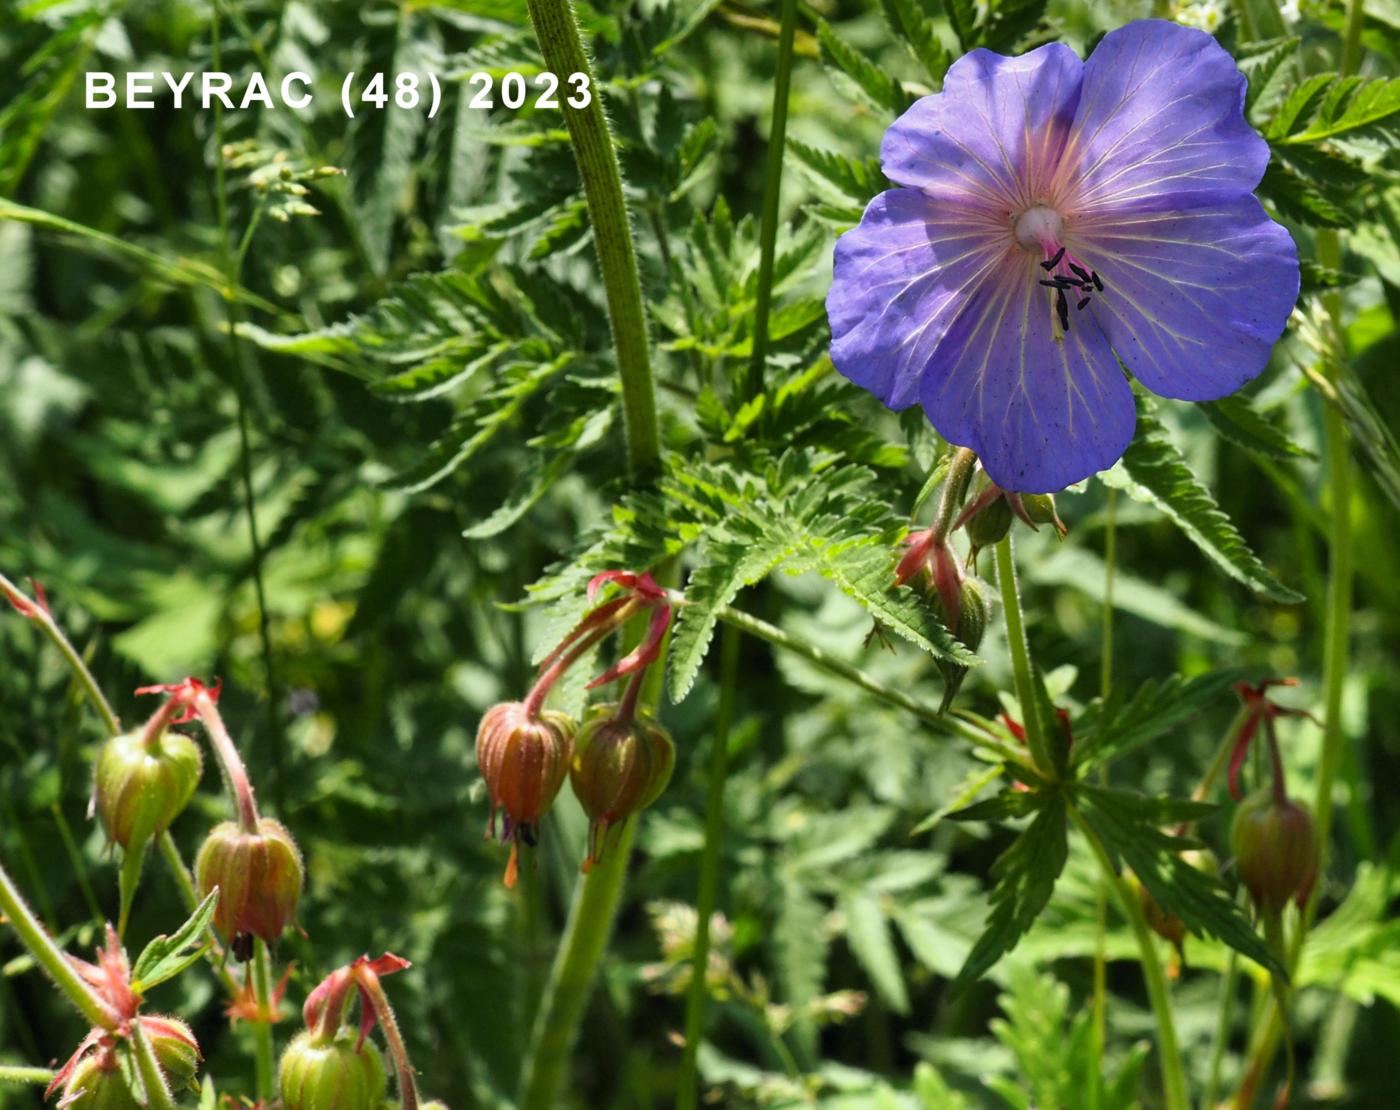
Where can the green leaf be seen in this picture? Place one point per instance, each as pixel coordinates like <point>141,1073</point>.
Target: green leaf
<point>912,26</point>
<point>1127,823</point>
<point>1318,278</point>
<point>1156,707</point>
<point>167,956</point>
<point>1262,62</point>
<point>1298,106</point>
<point>1352,106</point>
<point>1373,433</point>
<point>1245,426</point>
<point>1005,806</point>
<point>727,568</point>
<point>858,180</point>
<point>1155,472</point>
<point>1025,874</point>
<point>868,933</point>
<point>877,86</point>
<point>1307,201</point>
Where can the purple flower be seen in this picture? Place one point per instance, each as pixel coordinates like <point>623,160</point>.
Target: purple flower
<point>1060,217</point>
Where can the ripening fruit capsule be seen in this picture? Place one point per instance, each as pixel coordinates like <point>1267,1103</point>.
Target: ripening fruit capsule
<point>989,526</point>
<point>259,876</point>
<point>141,787</point>
<point>1276,852</point>
<point>619,768</point>
<point>177,1052</point>
<point>97,1084</point>
<point>523,757</point>
<point>320,1074</point>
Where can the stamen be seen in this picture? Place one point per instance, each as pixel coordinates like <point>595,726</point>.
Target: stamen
<point>1080,270</point>
<point>1097,283</point>
<point>1051,263</point>
<point>1062,309</point>
<point>1082,303</point>
<point>1053,284</point>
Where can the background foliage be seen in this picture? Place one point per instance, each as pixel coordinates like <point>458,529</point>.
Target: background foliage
<point>425,382</point>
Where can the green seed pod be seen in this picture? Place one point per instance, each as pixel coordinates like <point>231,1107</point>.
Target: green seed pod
<point>318,1074</point>
<point>974,614</point>
<point>523,758</point>
<point>259,876</point>
<point>97,1084</point>
<point>177,1052</point>
<point>618,769</point>
<point>1276,851</point>
<point>989,526</point>
<point>141,787</point>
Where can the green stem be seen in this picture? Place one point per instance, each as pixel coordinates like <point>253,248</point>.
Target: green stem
<point>1100,1011</point>
<point>687,1087</point>
<point>44,619</point>
<point>1228,988</point>
<point>262,1030</point>
<point>1021,659</point>
<point>51,957</point>
<point>571,979</point>
<point>557,31</point>
<point>157,1089</point>
<point>772,190</point>
<point>949,724</point>
<point>12,1073</point>
<point>1173,1076</point>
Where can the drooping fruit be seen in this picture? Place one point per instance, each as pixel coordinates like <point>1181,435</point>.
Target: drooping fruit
<point>619,768</point>
<point>318,1073</point>
<point>142,785</point>
<point>259,876</point>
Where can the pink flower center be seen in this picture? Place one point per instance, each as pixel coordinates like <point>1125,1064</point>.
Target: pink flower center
<point>1041,228</point>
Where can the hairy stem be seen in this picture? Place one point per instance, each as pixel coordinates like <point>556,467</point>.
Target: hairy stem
<point>48,955</point>
<point>41,616</point>
<point>1100,1011</point>
<point>1021,659</point>
<point>227,753</point>
<point>398,1050</point>
<point>947,723</point>
<point>1174,1088</point>
<point>557,31</point>
<point>772,190</point>
<point>262,1030</point>
<point>13,1073</point>
<point>687,1086</point>
<point>157,1089</point>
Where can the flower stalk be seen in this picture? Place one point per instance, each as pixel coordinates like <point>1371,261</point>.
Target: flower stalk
<point>557,32</point>
<point>158,1096</point>
<point>48,955</point>
<point>1021,660</point>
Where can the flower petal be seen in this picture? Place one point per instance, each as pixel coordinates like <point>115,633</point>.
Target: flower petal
<point>1160,116</point>
<point>1195,300</point>
<point>1041,413</point>
<point>900,279</point>
<point>992,138</point>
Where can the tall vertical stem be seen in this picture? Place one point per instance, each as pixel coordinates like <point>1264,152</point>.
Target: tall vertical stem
<point>556,28</point>
<point>598,894</point>
<point>262,1027</point>
<point>1100,1012</point>
<point>772,190</point>
<point>1174,1091</point>
<point>1021,659</point>
<point>686,1085</point>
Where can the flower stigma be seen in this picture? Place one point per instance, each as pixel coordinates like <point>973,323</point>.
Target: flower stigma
<point>1042,228</point>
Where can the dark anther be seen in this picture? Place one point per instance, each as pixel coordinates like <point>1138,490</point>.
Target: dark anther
<point>1053,284</point>
<point>243,947</point>
<point>1062,309</point>
<point>1051,263</point>
<point>1097,283</point>
<point>1081,304</point>
<point>1080,270</point>
<point>527,834</point>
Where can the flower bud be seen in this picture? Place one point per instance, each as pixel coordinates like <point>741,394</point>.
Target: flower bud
<point>988,526</point>
<point>523,757</point>
<point>320,1074</point>
<point>969,625</point>
<point>141,787</point>
<point>259,876</point>
<point>1039,508</point>
<point>96,1083</point>
<point>619,768</point>
<point>1276,851</point>
<point>177,1052</point>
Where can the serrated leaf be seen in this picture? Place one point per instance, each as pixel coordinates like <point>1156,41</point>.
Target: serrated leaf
<point>1373,433</point>
<point>167,956</point>
<point>1242,424</point>
<point>1300,199</point>
<point>868,933</point>
<point>727,568</point>
<point>1261,62</point>
<point>877,86</point>
<point>856,179</point>
<point>912,26</point>
<point>1127,824</point>
<point>1298,106</point>
<point>1155,472</point>
<point>800,951</point>
<point>1025,873</point>
<point>1317,278</point>
<point>1352,106</point>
